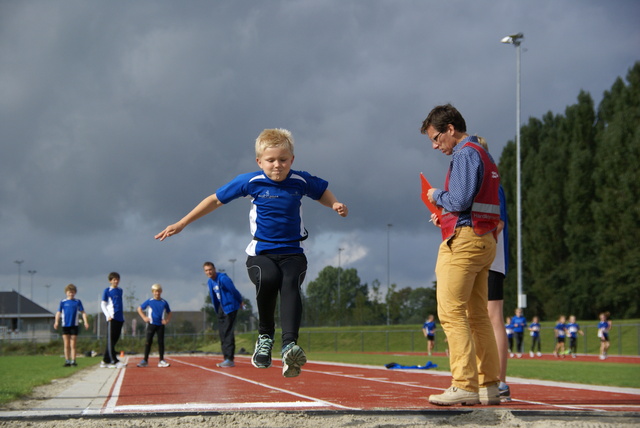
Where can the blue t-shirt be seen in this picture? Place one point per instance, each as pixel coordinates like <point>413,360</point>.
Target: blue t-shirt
<point>572,329</point>
<point>113,297</point>
<point>560,329</point>
<point>156,310</point>
<point>535,329</point>
<point>223,292</point>
<point>70,310</point>
<point>509,329</point>
<point>519,323</point>
<point>430,326</point>
<point>276,211</point>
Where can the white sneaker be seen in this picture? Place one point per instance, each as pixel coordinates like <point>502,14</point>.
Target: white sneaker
<point>531,354</point>
<point>455,395</point>
<point>539,354</point>
<point>511,355</point>
<point>163,363</point>
<point>489,395</point>
<point>120,365</point>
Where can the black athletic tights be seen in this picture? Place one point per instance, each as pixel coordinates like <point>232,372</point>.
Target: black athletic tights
<point>273,274</point>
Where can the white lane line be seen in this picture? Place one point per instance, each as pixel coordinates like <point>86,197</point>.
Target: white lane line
<point>218,406</point>
<point>111,404</point>
<point>264,385</point>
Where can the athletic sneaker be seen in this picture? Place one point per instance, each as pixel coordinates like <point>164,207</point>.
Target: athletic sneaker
<point>67,363</point>
<point>489,395</point>
<point>226,363</point>
<point>163,363</point>
<point>262,353</point>
<point>539,354</point>
<point>531,354</point>
<point>120,365</point>
<point>293,358</point>
<point>107,365</point>
<point>505,392</point>
<point>455,395</point>
<point>143,363</point>
<point>73,363</point>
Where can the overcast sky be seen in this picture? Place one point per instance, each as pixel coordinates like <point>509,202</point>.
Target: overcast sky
<point>117,117</point>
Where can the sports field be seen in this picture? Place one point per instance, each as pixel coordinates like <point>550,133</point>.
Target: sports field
<point>326,394</point>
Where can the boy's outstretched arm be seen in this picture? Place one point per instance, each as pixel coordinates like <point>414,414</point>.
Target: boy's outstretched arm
<point>208,205</point>
<point>329,200</point>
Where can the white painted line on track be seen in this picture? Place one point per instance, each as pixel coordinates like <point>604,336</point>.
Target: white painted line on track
<point>264,385</point>
<point>111,404</point>
<point>217,406</point>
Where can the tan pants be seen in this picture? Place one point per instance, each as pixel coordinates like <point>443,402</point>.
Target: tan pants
<point>462,272</point>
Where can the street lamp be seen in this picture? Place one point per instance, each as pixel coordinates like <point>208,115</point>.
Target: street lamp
<point>388,267</point>
<point>516,40</point>
<point>340,250</point>
<point>31,272</point>
<point>19,263</point>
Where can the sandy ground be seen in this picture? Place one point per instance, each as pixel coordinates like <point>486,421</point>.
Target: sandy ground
<point>275,419</point>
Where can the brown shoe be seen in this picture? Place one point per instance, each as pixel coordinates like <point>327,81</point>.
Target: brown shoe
<point>455,395</point>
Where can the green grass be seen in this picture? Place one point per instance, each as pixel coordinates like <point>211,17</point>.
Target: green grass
<point>20,374</point>
<point>564,370</point>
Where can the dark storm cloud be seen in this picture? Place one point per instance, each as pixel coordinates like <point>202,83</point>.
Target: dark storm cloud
<point>118,117</point>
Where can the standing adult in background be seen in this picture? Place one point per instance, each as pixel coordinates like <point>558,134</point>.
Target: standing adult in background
<point>470,216</point>
<point>497,273</point>
<point>226,301</point>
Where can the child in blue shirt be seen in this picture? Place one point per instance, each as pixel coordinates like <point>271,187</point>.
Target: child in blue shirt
<point>603,333</point>
<point>276,262</point>
<point>156,313</point>
<point>69,311</point>
<point>429,331</point>
<point>113,309</point>
<point>534,329</point>
<point>573,329</point>
<point>519,323</point>
<point>508,326</point>
<point>560,332</point>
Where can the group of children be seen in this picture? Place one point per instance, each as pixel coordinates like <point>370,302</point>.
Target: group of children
<point>564,329</point>
<point>154,311</point>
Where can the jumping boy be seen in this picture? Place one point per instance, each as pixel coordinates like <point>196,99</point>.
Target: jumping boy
<point>112,308</point>
<point>156,313</point>
<point>69,311</point>
<point>276,262</point>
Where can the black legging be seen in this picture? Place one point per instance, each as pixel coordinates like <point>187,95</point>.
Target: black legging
<point>535,341</point>
<point>152,329</point>
<point>519,341</point>
<point>273,274</point>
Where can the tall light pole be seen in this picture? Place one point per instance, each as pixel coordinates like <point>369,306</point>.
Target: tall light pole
<point>340,250</point>
<point>388,267</point>
<point>516,40</point>
<point>233,269</point>
<point>19,263</point>
<point>31,272</point>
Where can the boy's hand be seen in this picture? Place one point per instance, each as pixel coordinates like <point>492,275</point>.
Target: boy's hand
<point>169,230</point>
<point>86,325</point>
<point>340,208</point>
<point>55,325</point>
<point>165,322</point>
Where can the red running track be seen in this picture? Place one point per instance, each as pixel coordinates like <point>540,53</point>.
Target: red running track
<point>194,383</point>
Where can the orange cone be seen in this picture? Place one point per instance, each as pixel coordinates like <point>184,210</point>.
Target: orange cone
<point>121,354</point>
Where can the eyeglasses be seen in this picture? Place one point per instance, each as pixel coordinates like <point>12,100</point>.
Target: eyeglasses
<point>435,139</point>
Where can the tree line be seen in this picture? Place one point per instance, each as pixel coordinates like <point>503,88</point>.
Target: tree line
<point>580,208</point>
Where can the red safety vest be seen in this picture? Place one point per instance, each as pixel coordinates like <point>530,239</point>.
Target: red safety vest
<point>485,210</point>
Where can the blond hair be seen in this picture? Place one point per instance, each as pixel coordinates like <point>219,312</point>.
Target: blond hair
<point>483,142</point>
<point>70,287</point>
<point>277,137</point>
<point>156,287</point>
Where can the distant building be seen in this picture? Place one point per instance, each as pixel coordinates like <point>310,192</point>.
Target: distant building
<point>22,318</point>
